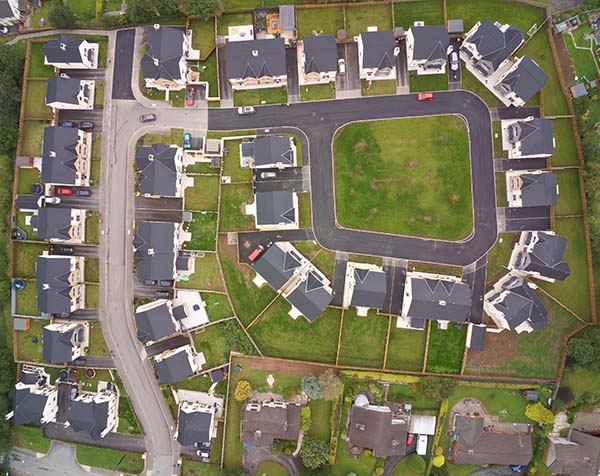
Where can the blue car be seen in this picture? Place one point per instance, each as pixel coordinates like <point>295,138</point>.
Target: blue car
<point>67,124</point>
<point>187,140</point>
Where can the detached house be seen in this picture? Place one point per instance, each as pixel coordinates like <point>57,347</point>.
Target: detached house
<point>365,287</point>
<point>66,52</point>
<point>197,422</point>
<point>10,13</point>
<point>377,51</point>
<point>269,152</point>
<point>427,49</point>
<point>531,189</point>
<point>263,423</point>
<point>540,255</point>
<point>528,138</point>
<point>275,210</point>
<point>59,280</point>
<point>155,247</point>
<point>520,82</point>
<point>164,65</point>
<point>177,364</point>
<point>155,321</point>
<point>69,93</point>
<point>256,63</point>
<point>66,153</point>
<point>95,414</point>
<point>576,455</point>
<point>317,59</point>
<point>310,296</point>
<point>160,169</point>
<point>35,399</point>
<point>64,341</point>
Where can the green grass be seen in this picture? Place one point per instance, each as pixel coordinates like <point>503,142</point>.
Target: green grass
<point>234,197</point>
<point>305,211</point>
<point>107,458</point>
<point>213,343</point>
<point>231,163</point>
<point>204,195</point>
<point>501,200</point>
<point>569,199</point>
<point>278,335</point>
<point>497,139</point>
<point>84,9</point>
<point>318,92</point>
<point>565,151</point>
<point>207,275</point>
<point>177,98</point>
<point>446,348</point>
<point>32,134</point>
<point>254,97</point>
<point>324,21</point>
<point>204,168</point>
<point>518,14</point>
<point>31,235</point>
<point>241,4</point>
<point>580,381</point>
<point>99,94</point>
<point>363,339</point>
<point>26,349</point>
<point>573,292</point>
<point>381,87</point>
<point>27,177</point>
<point>271,468</point>
<point>434,268</point>
<point>498,257</point>
<point>25,258</point>
<point>217,306</point>
<point>203,228</point>
<point>406,348</point>
<point>174,137</point>
<point>232,19</point>
<point>194,468</point>
<point>583,60</point>
<point>471,83</point>
<point>92,227</point>
<point>37,68</point>
<point>31,438</point>
<point>92,270</point>
<point>98,347</point>
<point>203,36</point>
<point>234,133</point>
<point>27,300</point>
<point>428,82</point>
<point>96,146</point>
<point>429,11</point>
<point>43,13</point>
<point>406,468</point>
<point>360,17</point>
<point>210,74</point>
<point>320,413</point>
<point>95,172</point>
<point>414,192</point>
<point>35,101</point>
<point>128,422</point>
<point>92,296</point>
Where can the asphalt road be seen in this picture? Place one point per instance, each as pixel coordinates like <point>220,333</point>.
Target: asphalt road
<point>319,122</point>
<point>116,441</point>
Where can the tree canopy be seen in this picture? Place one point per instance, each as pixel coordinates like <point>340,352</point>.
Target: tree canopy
<point>61,16</point>
<point>314,453</point>
<point>585,349</point>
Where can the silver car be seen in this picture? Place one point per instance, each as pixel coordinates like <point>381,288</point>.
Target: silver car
<point>454,61</point>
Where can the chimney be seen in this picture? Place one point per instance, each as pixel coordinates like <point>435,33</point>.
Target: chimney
<point>254,52</point>
<point>156,62</point>
<point>63,46</point>
<point>151,251</point>
<point>156,26</point>
<point>150,156</point>
<point>442,303</point>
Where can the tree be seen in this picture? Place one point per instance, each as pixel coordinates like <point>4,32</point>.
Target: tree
<point>416,464</point>
<point>585,348</point>
<point>310,386</point>
<point>434,388</point>
<point>539,413</point>
<point>243,390</point>
<point>11,78</point>
<point>314,453</point>
<point>61,16</point>
<point>203,9</point>
<point>283,447</point>
<point>140,11</point>
<point>331,385</point>
<point>305,419</point>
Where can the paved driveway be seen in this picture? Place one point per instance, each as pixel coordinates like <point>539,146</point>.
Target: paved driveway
<point>291,63</point>
<point>115,441</point>
<point>121,81</point>
<point>348,85</point>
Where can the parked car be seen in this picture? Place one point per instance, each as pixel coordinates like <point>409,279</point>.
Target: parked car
<point>148,118</point>
<point>265,175</point>
<point>85,125</point>
<point>252,257</point>
<point>410,438</point>
<point>190,96</point>
<point>83,192</point>
<point>243,110</point>
<point>3,30</point>
<point>66,124</point>
<point>165,282</point>
<point>187,140</point>
<point>162,294</point>
<point>63,190</point>
<point>342,66</point>
<point>425,96</point>
<point>454,61</point>
<point>52,200</point>
<point>62,250</point>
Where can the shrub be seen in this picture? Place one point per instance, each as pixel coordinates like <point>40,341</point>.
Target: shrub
<point>416,464</point>
<point>305,419</point>
<point>539,413</point>
<point>314,453</point>
<point>243,390</point>
<point>283,447</point>
<point>237,338</point>
<point>61,16</point>
<point>434,388</point>
<point>310,386</point>
<point>331,385</point>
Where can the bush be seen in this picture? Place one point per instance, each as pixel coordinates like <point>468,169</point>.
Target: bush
<point>243,390</point>
<point>305,419</point>
<point>585,348</point>
<point>539,413</point>
<point>238,340</point>
<point>416,464</point>
<point>314,453</point>
<point>283,447</point>
<point>310,386</point>
<point>434,388</point>
<point>61,16</point>
<point>331,385</point>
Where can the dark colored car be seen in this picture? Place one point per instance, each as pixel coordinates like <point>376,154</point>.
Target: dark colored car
<point>165,282</point>
<point>83,192</point>
<point>66,124</point>
<point>148,118</point>
<point>85,125</point>
<point>190,96</point>
<point>162,294</point>
<point>62,250</point>
<point>187,140</point>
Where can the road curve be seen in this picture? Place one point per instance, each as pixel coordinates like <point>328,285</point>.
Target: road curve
<point>320,120</point>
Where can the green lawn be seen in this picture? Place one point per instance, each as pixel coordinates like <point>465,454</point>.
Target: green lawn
<point>471,83</point>
<point>580,380</point>
<point>497,139</point>
<point>99,94</point>
<point>43,13</point>
<point>231,163</point>
<point>27,300</point>
<point>318,92</point>
<point>32,134</point>
<point>320,413</point>
<point>278,335</point>
<point>241,4</point>
<point>95,172</point>
<point>501,200</point>
<point>498,257</point>
<point>382,87</point>
<point>96,146</point>
<point>98,347</point>
<point>569,199</point>
<point>583,60</point>
<point>515,13</point>
<point>31,438</point>
<point>431,196</point>
<point>446,348</point>
<point>92,227</point>
<point>305,211</point>
<point>233,200</point>
<point>232,19</point>
<point>213,343</point>
<point>565,151</point>
<point>84,9</point>
<point>217,306</point>
<point>92,271</point>
<point>254,97</point>
<point>194,468</point>
<point>35,101</point>
<point>406,348</point>
<point>25,258</point>
<point>271,468</point>
<point>128,422</point>
<point>174,137</point>
<point>573,292</point>
<point>410,466</point>
<point>27,349</point>
<point>204,195</point>
<point>429,11</point>
<point>209,73</point>
<point>207,275</point>
<point>363,339</point>
<point>434,268</point>
<point>203,228</point>
<point>203,36</point>
<point>113,460</point>
<point>37,68</point>
<point>31,235</point>
<point>27,177</point>
<point>203,168</point>
<point>324,21</point>
<point>360,17</point>
<point>428,82</point>
<point>92,296</point>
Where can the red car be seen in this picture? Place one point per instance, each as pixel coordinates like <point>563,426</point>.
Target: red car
<point>252,257</point>
<point>409,439</point>
<point>425,96</point>
<point>63,191</point>
<point>190,96</point>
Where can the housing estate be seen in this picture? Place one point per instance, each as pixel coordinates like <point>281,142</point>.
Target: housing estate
<point>63,92</point>
<point>528,138</point>
<point>95,413</point>
<point>263,423</point>
<point>164,65</point>
<point>377,51</point>
<point>578,454</point>
<point>35,398</point>
<point>177,364</point>
<point>269,152</point>
<point>256,63</point>
<point>317,59</point>
<point>66,153</point>
<point>197,421</point>
<point>531,188</point>
<point>540,254</point>
<point>60,288</point>
<point>65,341</point>
<point>159,170</point>
<point>66,52</point>
<point>427,49</point>
<point>365,287</point>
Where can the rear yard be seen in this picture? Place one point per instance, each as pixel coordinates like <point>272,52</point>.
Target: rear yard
<point>363,339</point>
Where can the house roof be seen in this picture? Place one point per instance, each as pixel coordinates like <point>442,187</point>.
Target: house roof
<point>154,250</point>
<point>88,417</point>
<point>493,44</point>
<point>378,49</point>
<point>64,90</point>
<point>193,427</point>
<point>473,445</point>
<point>320,53</point>
<point>53,223</point>
<point>277,266</point>
<point>273,208</point>
<point>539,189</point>
<point>431,42</point>
<point>440,299</point>
<point>255,58</point>
<point>376,429</point>
<point>28,406</point>
<point>58,346</point>
<point>271,150</point>
<point>370,288</point>
<point>579,459</point>
<point>164,52</point>
<point>64,49</point>
<point>422,424</point>
<point>546,257</point>
<point>310,297</point>
<point>287,17</point>
<point>157,170</point>
<point>526,79</point>
<point>5,10</point>
<point>173,368</point>
<point>536,136</point>
<point>477,340</point>
<point>260,428</point>
<point>155,323</point>
<point>53,286</point>
<point>27,201</point>
<point>59,155</point>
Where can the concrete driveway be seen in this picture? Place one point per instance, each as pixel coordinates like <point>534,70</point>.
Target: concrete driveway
<point>291,64</point>
<point>348,85</point>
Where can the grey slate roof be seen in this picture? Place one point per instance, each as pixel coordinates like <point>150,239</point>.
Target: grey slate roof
<point>582,459</point>
<point>310,297</point>
<point>262,427</point>
<point>27,201</point>
<point>374,430</point>
<point>431,42</point>
<point>321,54</point>
<point>476,446</point>
<point>276,207</point>
<point>539,189</point>
<point>271,150</point>
<point>28,407</point>
<point>62,90</point>
<point>526,80</point>
<point>493,44</point>
<point>277,266</point>
<point>370,288</point>
<point>5,10</point>
<point>57,346</point>
<point>439,299</point>
<point>546,257</point>
<point>52,284</point>
<point>269,59</point>
<point>53,223</point>
<point>536,136</point>
<point>193,428</point>
<point>378,49</point>
<point>70,54</point>
<point>154,324</point>
<point>157,170</point>
<point>154,255</point>
<point>88,417</point>
<point>165,49</point>
<point>59,155</point>
<point>477,338</point>
<point>174,368</point>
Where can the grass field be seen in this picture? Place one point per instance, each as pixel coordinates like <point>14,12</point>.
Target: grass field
<point>92,296</point>
<point>207,275</point>
<point>425,190</point>
<point>27,300</point>
<point>203,228</point>
<point>231,163</point>
<point>234,197</point>
<point>406,348</point>
<point>434,268</point>
<point>25,258</point>
<point>31,235</point>
<point>360,17</point>
<point>569,200</point>
<point>363,339</point>
<point>110,459</point>
<point>565,150</point>
<point>381,87</point>
<point>27,177</point>
<point>499,256</point>
<point>446,348</point>
<point>97,345</point>
<point>203,36</point>
<point>512,12</point>
<point>31,438</point>
<point>209,73</point>
<point>497,139</point>
<point>429,11</point>
<point>217,306</point>
<point>254,97</point>
<point>213,343</point>
<point>583,60</point>
<point>204,195</point>
<point>37,68</point>
<point>32,134</point>
<point>317,92</point>
<point>428,82</point>
<point>471,83</point>
<point>35,101</point>
<point>92,227</point>
<point>271,468</point>
<point>232,19</point>
<point>320,411</point>
<point>580,380</point>
<point>29,343</point>
<point>325,21</point>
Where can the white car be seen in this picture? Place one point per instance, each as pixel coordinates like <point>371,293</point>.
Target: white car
<point>342,66</point>
<point>52,200</point>
<point>243,110</point>
<point>454,61</point>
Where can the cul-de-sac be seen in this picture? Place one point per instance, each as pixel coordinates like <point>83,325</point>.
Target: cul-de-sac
<point>300,237</point>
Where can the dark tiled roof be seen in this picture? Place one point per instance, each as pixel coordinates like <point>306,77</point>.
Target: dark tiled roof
<point>193,427</point>
<point>370,288</point>
<point>27,202</point>
<point>174,368</point>
<point>375,430</point>
<point>62,90</point>
<point>277,266</point>
<point>88,417</point>
<point>477,337</point>
<point>310,297</point>
<point>547,256</point>
<point>69,54</point>
<point>431,42</point>
<point>378,49</point>
<point>539,189</point>
<point>59,155</point>
<point>273,208</point>
<point>440,299</point>
<point>260,428</point>
<point>495,45</point>
<point>52,284</point>
<point>580,459</point>
<point>320,54</point>
<point>255,58</point>
<point>526,80</point>
<point>53,223</point>
<point>536,136</point>
<point>28,407</point>
<point>157,170</point>
<point>165,50</point>
<point>154,250</point>
<point>270,150</point>
<point>154,324</point>
<point>58,346</point>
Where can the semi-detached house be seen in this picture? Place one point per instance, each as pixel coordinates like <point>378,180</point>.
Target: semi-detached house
<point>427,49</point>
<point>317,59</point>
<point>256,63</point>
<point>35,398</point>
<point>377,51</point>
<point>66,155</point>
<point>59,280</point>
<point>164,65</point>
